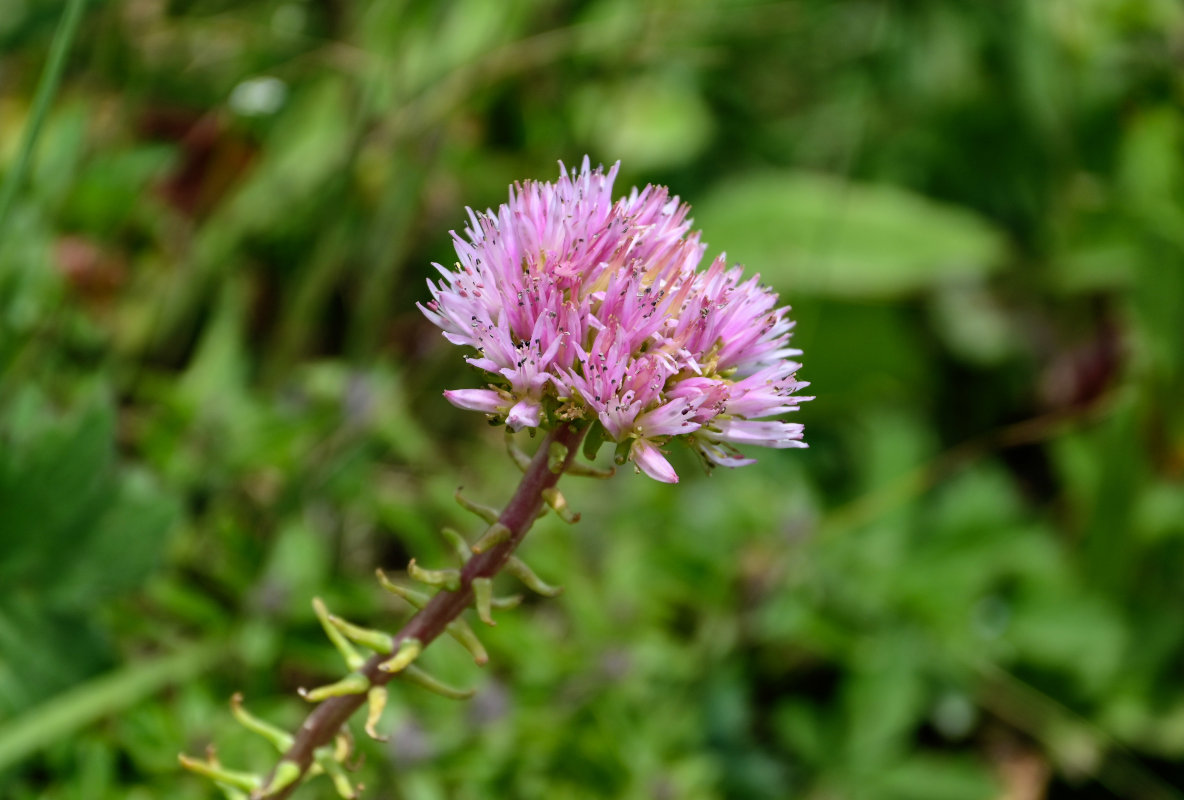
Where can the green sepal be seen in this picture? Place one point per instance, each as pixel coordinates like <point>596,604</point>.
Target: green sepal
<point>459,630</point>
<point>579,470</point>
<point>409,650</point>
<point>341,782</point>
<point>447,579</point>
<point>424,680</point>
<point>487,513</point>
<point>517,567</point>
<point>460,545</point>
<point>503,603</point>
<point>343,746</point>
<point>556,457</point>
<point>621,453</point>
<point>593,440</point>
<point>352,659</point>
<point>247,781</point>
<point>417,599</point>
<point>495,535</point>
<point>557,501</point>
<point>286,773</point>
<point>353,683</point>
<point>483,599</point>
<point>520,458</point>
<point>279,738</point>
<point>378,641</point>
<point>375,703</point>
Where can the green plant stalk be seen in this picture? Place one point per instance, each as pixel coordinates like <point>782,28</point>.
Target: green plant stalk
<point>324,722</point>
<point>57,718</point>
<point>47,88</point>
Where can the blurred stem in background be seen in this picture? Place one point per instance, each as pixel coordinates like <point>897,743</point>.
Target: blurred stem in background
<point>103,697</point>
<point>47,87</point>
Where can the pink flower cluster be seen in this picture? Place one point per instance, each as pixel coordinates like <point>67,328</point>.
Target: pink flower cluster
<point>580,307</point>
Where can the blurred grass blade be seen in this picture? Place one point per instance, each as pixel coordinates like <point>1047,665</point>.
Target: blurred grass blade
<point>102,697</point>
<point>46,89</point>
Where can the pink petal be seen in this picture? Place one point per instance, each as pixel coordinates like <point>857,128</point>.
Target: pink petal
<point>765,433</point>
<point>485,400</point>
<point>672,419</point>
<point>524,414</point>
<point>651,461</point>
<point>723,456</point>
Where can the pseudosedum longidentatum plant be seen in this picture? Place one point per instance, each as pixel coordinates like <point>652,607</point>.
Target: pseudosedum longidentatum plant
<point>592,323</point>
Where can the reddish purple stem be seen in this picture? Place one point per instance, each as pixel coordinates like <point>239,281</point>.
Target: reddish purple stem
<point>322,725</point>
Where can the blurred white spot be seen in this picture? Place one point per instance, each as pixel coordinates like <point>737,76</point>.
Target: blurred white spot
<point>954,715</point>
<point>258,97</point>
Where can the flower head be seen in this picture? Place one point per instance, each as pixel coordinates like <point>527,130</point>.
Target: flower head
<point>580,307</point>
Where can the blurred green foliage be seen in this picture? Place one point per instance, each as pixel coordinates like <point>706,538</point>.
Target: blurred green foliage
<point>217,399</point>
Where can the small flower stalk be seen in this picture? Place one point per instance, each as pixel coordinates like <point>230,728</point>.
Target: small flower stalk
<point>592,324</point>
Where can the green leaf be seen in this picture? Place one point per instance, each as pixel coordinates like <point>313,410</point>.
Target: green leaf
<point>112,184</point>
<point>124,544</point>
<point>938,778</point>
<point>55,476</point>
<point>44,651</point>
<point>804,730</point>
<point>813,234</point>
<point>74,526</point>
<point>1151,172</point>
<point>885,699</point>
<point>1073,633</point>
<point>649,121</point>
<point>303,153</point>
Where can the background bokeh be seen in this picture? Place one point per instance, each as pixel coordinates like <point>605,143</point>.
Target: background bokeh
<point>217,399</point>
